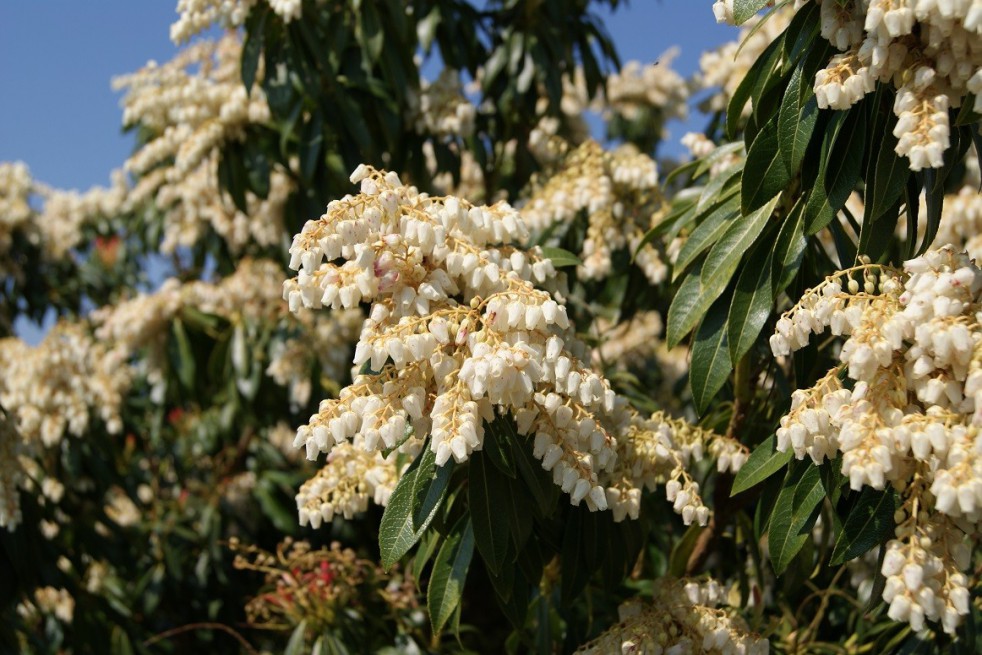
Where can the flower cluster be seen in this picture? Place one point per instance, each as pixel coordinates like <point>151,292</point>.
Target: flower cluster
<point>11,473</point>
<point>350,480</point>
<point>930,51</point>
<point>637,91</point>
<point>618,194</point>
<point>458,328</point>
<point>442,109</point>
<point>659,450</point>
<point>902,409</point>
<point>682,617</point>
<point>59,385</point>
<point>961,221</point>
<point>197,16</point>
<point>15,192</point>
<point>191,106</point>
<point>56,227</point>
<point>246,299</point>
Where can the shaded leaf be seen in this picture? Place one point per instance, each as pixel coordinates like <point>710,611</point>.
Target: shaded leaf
<point>560,258</point>
<point>763,462</point>
<point>795,512</point>
<point>485,491</point>
<point>765,174</point>
<point>870,522</point>
<point>449,573</point>
<point>751,304</point>
<point>711,364</point>
<point>796,121</point>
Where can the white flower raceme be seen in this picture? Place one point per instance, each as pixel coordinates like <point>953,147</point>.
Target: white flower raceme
<point>56,226</point>
<point>903,410</point>
<point>655,87</point>
<point>457,329</point>
<point>618,194</point>
<point>682,617</point>
<point>441,108</point>
<point>197,16</point>
<point>930,51</point>
<point>192,106</point>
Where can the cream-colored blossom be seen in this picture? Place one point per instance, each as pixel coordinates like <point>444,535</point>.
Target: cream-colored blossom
<point>902,410</point>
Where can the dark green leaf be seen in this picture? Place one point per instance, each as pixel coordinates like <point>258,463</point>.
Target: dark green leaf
<point>711,364</point>
<point>839,168</point>
<point>751,304</point>
<point>560,258</point>
<point>252,46</point>
<point>870,522</point>
<point>763,462</point>
<point>486,488</point>
<point>968,115</point>
<point>765,175</point>
<point>796,121</point>
<point>706,234</point>
<point>723,259</point>
<point>795,512</point>
<point>185,365</point>
<point>449,573</point>
<point>413,504</point>
<point>885,176</point>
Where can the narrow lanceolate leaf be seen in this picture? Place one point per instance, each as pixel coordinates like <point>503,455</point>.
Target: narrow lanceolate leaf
<point>706,233</point>
<point>838,173</point>
<point>449,573</point>
<point>485,493</point>
<point>751,303</point>
<point>794,514</point>
<point>885,176</point>
<point>711,364</point>
<point>738,239</point>
<point>412,506</point>
<point>763,462</point>
<point>765,174</point>
<point>869,523</point>
<point>690,304</point>
<point>561,258</point>
<point>744,10</point>
<point>796,121</point>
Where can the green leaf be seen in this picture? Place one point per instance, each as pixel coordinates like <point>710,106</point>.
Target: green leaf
<point>706,233</point>
<point>691,301</point>
<point>839,168</point>
<point>295,646</point>
<point>711,364</point>
<point>537,481</point>
<point>560,258</point>
<point>744,10</point>
<point>486,489</point>
<point>753,82</point>
<point>412,506</point>
<point>870,522</point>
<point>763,462</point>
<point>886,174</point>
<point>723,259</point>
<point>967,115</point>
<point>751,304</point>
<point>789,251</point>
<point>795,512</point>
<point>185,365</point>
<point>449,573</point>
<point>765,174</point>
<point>252,46</point>
<point>796,120</point>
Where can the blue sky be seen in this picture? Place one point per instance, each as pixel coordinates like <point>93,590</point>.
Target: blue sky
<point>57,59</point>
